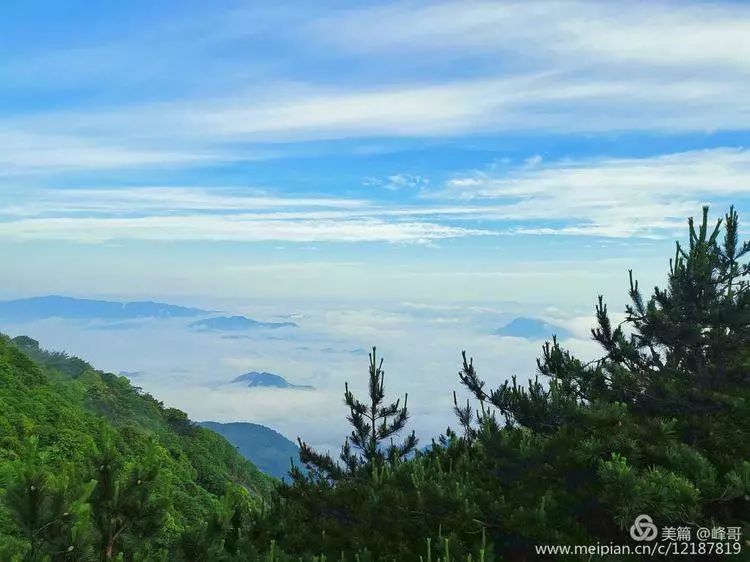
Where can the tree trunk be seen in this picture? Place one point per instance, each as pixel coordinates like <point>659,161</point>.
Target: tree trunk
<point>110,548</point>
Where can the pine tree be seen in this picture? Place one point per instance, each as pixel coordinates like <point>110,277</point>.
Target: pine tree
<point>223,535</point>
<point>125,507</point>
<point>374,423</point>
<point>658,424</point>
<point>51,514</point>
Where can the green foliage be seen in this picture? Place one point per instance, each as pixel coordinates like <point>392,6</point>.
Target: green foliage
<point>372,424</point>
<point>64,425</point>
<point>125,502</point>
<point>659,424</point>
<point>51,514</point>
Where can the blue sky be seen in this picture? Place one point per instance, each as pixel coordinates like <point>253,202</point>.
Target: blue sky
<point>452,151</point>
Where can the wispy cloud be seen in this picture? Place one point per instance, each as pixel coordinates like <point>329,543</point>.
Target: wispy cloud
<point>214,132</point>
<point>547,100</point>
<point>564,67</point>
<point>570,33</point>
<point>218,214</point>
<point>604,197</point>
<point>54,152</point>
<point>542,67</point>
<point>397,182</point>
<point>229,228</point>
<point>166,200</point>
<point>615,197</point>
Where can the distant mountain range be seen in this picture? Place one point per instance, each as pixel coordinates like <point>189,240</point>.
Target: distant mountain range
<point>120,315</point>
<point>255,379</point>
<point>532,329</point>
<point>55,306</point>
<point>236,324</point>
<point>270,451</point>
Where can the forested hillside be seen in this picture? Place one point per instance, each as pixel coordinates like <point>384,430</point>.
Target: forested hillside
<point>658,425</point>
<point>60,417</point>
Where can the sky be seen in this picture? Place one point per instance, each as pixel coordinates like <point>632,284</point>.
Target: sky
<point>331,154</point>
<point>355,150</point>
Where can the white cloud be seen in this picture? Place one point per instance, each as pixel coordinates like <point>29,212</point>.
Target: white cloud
<point>560,66</point>
<point>616,197</point>
<point>672,34</point>
<point>607,197</point>
<point>397,182</point>
<point>565,67</point>
<point>550,99</point>
<point>228,228</point>
<point>210,130</point>
<point>31,152</point>
<point>174,199</point>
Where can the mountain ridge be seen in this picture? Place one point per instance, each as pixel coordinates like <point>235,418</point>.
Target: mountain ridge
<point>59,306</point>
<point>265,447</point>
<point>236,323</point>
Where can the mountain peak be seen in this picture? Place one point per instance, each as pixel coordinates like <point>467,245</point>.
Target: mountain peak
<point>236,324</point>
<point>531,329</point>
<point>263,379</point>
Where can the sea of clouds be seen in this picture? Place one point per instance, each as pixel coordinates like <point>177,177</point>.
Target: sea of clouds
<point>421,345</point>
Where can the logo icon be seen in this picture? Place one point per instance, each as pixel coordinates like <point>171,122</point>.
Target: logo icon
<point>643,529</point>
